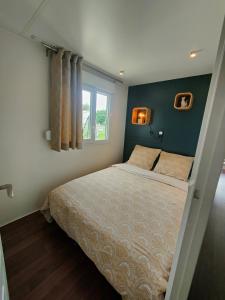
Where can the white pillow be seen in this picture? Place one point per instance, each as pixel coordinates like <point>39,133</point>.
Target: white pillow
<point>174,165</point>
<point>143,157</point>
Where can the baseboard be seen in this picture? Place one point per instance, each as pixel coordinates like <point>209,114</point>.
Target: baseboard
<point>16,219</point>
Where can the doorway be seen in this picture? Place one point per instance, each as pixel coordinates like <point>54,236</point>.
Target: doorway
<point>209,277</point>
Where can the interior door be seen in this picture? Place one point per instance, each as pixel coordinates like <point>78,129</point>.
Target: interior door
<point>206,171</point>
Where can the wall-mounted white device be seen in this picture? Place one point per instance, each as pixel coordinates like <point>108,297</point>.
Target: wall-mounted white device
<point>48,135</point>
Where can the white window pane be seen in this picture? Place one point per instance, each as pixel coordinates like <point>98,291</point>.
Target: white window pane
<point>86,114</point>
<point>101,129</point>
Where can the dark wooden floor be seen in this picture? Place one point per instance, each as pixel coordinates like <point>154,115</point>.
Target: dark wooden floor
<point>209,280</point>
<point>43,263</point>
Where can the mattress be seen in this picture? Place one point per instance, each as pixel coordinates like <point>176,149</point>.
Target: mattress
<point>126,220</point>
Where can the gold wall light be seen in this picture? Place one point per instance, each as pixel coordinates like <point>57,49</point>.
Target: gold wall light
<point>141,115</point>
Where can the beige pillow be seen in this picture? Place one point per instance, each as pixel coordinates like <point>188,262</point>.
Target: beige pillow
<point>174,165</point>
<point>143,157</point>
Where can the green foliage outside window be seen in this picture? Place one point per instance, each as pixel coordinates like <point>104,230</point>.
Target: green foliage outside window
<point>101,117</point>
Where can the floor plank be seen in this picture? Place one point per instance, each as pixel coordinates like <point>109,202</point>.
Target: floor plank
<point>42,262</point>
<point>209,279</point>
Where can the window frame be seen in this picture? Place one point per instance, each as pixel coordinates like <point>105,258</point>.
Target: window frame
<point>93,98</point>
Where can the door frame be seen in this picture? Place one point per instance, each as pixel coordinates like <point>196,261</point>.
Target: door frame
<point>207,167</point>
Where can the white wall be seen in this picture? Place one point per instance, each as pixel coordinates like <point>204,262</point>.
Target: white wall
<point>25,158</point>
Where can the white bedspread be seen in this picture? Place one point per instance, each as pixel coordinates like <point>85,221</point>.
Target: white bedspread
<point>126,220</point>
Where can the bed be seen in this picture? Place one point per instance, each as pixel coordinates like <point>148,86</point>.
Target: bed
<point>126,219</point>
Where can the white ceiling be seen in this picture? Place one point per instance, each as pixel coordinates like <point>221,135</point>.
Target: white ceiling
<point>149,39</point>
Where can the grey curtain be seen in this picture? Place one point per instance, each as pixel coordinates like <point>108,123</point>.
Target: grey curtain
<point>66,101</point>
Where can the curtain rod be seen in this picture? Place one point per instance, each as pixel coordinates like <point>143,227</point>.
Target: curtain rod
<point>89,67</point>
<point>53,48</point>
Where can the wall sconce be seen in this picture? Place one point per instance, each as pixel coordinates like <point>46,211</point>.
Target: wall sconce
<point>160,133</point>
<point>157,134</point>
<point>9,189</point>
<point>141,116</point>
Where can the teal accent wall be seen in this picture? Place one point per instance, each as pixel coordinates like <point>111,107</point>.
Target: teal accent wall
<point>181,128</point>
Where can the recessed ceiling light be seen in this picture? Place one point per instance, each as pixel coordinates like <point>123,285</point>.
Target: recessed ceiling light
<point>121,72</point>
<point>194,53</point>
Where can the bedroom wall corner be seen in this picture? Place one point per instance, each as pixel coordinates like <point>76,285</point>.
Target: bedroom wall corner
<point>26,160</point>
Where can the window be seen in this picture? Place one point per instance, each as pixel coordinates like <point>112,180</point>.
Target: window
<point>95,114</point>
<point>86,114</point>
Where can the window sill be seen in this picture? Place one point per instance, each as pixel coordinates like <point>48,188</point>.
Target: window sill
<point>90,142</point>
